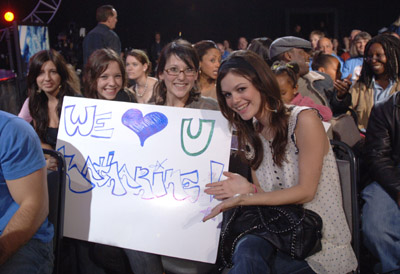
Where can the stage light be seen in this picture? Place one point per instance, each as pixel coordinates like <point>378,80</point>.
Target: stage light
<point>9,16</point>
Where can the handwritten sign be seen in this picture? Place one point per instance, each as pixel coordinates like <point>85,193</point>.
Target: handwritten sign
<point>136,175</point>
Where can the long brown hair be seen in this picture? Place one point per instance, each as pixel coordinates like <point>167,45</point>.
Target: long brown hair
<point>38,101</point>
<point>252,67</point>
<point>98,63</point>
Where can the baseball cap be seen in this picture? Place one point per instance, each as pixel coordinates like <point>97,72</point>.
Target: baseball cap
<point>286,43</point>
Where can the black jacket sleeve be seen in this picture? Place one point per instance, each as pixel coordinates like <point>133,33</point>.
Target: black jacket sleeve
<point>382,150</point>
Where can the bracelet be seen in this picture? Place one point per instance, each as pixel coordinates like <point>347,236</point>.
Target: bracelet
<point>255,188</point>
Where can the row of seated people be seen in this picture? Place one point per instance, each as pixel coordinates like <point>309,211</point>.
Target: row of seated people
<point>246,89</point>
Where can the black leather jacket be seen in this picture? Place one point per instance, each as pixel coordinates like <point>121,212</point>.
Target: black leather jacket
<point>382,145</point>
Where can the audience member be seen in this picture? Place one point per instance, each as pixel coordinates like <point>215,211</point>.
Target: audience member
<point>330,65</point>
<point>315,35</point>
<point>227,46</point>
<point>381,210</point>
<point>102,36</point>
<point>353,33</point>
<point>312,84</point>
<point>104,77</point>
<point>210,58</point>
<point>287,170</point>
<point>25,233</point>
<point>379,76</point>
<point>354,64</point>
<point>138,67</point>
<point>242,43</point>
<point>287,75</point>
<point>325,46</point>
<point>261,47</point>
<point>49,80</point>
<point>177,72</point>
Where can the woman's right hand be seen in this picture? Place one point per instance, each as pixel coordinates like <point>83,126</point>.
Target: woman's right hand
<point>234,184</point>
<point>225,205</point>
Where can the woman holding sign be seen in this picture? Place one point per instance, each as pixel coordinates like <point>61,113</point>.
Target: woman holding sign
<point>177,72</point>
<point>292,163</point>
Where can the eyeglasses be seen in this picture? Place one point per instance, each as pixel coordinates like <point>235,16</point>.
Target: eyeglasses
<point>174,71</point>
<point>376,57</point>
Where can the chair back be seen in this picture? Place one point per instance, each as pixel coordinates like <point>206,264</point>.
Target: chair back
<point>56,189</point>
<point>348,172</point>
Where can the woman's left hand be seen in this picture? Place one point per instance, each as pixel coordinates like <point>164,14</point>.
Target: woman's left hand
<point>225,205</point>
<point>234,184</point>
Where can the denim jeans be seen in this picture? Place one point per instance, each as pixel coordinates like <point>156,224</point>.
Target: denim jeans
<point>381,227</point>
<point>35,257</point>
<point>254,254</point>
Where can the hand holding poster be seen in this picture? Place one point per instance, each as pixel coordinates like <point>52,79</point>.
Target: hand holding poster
<point>136,175</point>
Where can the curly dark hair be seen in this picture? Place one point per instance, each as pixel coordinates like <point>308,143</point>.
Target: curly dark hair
<point>260,75</point>
<point>290,69</point>
<point>38,101</point>
<point>184,51</point>
<point>391,47</point>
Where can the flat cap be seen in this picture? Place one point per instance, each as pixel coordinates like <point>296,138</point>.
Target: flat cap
<point>286,43</point>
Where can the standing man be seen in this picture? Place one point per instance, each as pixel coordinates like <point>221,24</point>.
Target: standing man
<point>25,233</point>
<point>102,36</point>
<point>155,50</point>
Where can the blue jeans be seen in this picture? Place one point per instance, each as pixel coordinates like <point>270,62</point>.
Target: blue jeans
<point>253,254</point>
<point>34,257</point>
<point>381,227</point>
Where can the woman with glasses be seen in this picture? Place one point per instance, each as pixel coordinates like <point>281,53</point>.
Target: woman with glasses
<point>138,67</point>
<point>379,76</point>
<point>210,59</point>
<point>177,72</point>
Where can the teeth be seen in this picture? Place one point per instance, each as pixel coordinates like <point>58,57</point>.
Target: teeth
<point>240,108</point>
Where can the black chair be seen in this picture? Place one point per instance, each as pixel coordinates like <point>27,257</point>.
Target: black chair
<point>348,171</point>
<point>56,188</point>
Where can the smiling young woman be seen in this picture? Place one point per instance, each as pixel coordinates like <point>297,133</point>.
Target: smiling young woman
<point>292,163</point>
<point>104,77</point>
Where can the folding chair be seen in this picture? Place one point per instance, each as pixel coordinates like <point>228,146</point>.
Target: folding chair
<point>56,188</point>
<point>348,171</point>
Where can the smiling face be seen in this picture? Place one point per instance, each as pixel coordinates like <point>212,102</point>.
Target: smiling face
<point>376,59</point>
<point>49,80</point>
<point>178,87</point>
<point>360,46</point>
<point>302,58</point>
<point>109,82</point>
<point>241,96</point>
<point>210,63</point>
<point>134,68</point>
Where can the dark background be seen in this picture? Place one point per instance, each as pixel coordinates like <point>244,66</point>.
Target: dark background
<point>214,19</point>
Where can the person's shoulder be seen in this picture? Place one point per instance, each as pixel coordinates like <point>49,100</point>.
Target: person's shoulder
<point>208,103</point>
<point>10,120</point>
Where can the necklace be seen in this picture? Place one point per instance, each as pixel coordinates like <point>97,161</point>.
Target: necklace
<point>144,91</point>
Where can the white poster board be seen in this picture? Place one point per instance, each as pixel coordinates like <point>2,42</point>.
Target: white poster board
<point>136,175</point>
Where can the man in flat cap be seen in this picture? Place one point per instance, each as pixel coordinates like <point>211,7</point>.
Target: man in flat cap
<point>316,85</point>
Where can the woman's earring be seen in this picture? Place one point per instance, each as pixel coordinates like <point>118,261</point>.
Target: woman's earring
<point>39,91</point>
<point>249,152</point>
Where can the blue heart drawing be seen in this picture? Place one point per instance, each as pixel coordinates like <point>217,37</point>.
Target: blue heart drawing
<point>146,126</point>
